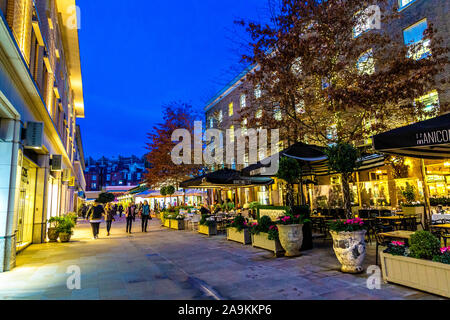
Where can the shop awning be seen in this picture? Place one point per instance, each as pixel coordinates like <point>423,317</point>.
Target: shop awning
<point>225,178</point>
<point>428,139</point>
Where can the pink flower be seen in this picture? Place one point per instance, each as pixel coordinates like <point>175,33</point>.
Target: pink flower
<point>398,243</point>
<point>445,249</point>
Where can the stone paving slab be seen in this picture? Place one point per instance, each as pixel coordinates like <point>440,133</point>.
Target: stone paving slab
<point>183,265</point>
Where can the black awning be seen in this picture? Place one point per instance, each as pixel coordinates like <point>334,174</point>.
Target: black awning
<point>428,139</point>
<point>305,152</point>
<point>225,178</point>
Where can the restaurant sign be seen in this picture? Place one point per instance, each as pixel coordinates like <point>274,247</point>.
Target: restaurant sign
<point>433,137</point>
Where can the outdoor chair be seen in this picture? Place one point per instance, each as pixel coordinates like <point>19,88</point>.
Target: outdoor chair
<point>385,213</point>
<point>380,240</point>
<point>341,214</point>
<point>363,214</point>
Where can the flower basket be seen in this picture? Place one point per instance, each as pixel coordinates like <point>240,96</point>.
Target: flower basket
<point>425,275</point>
<point>262,241</point>
<point>242,236</point>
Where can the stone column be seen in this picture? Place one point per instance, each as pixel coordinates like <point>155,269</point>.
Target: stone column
<point>9,180</point>
<point>41,202</point>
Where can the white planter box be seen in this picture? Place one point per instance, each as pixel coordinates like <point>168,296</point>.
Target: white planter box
<point>262,241</point>
<point>429,276</point>
<point>410,211</point>
<point>243,237</point>
<point>208,230</point>
<point>177,224</point>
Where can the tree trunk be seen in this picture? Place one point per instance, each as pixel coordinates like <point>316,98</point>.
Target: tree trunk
<point>290,196</point>
<point>346,192</point>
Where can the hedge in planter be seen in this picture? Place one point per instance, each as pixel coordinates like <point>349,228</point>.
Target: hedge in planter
<point>265,235</point>
<point>423,266</point>
<point>238,231</point>
<point>207,226</point>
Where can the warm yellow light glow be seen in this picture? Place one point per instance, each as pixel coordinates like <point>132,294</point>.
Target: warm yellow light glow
<point>379,172</point>
<point>447,164</point>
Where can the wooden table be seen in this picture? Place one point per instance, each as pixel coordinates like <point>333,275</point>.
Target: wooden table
<point>443,226</point>
<point>392,218</point>
<point>400,234</point>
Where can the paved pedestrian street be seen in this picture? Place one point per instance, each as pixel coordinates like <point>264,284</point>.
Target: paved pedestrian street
<point>175,265</point>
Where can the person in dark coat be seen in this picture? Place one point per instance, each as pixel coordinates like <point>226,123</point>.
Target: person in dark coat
<point>109,218</point>
<point>120,210</point>
<point>130,214</point>
<point>95,215</point>
<point>145,215</point>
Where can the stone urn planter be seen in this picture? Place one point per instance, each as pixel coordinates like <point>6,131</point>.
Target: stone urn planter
<point>52,234</point>
<point>291,238</point>
<point>262,241</point>
<point>208,230</point>
<point>177,224</point>
<point>424,275</point>
<point>64,237</point>
<point>243,236</point>
<point>350,250</point>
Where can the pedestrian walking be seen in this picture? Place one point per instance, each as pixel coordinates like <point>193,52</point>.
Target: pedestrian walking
<point>129,214</point>
<point>120,210</point>
<point>95,215</point>
<point>145,216</point>
<point>109,218</point>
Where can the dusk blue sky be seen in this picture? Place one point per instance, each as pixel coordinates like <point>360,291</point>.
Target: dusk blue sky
<point>137,55</point>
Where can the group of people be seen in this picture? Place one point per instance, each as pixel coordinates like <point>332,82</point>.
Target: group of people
<point>97,212</point>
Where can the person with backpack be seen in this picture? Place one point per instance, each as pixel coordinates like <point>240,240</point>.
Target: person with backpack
<point>145,216</point>
<point>94,216</point>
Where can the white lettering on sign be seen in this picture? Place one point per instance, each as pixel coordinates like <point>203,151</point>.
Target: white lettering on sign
<point>434,137</point>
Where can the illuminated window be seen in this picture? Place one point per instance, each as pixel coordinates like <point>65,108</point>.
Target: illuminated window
<point>258,114</point>
<point>244,126</point>
<point>300,107</point>
<point>258,92</point>
<point>430,101</point>
<point>220,116</point>
<point>211,122</point>
<point>230,109</point>
<point>366,63</point>
<point>414,38</point>
<point>94,178</point>
<point>243,101</point>
<point>277,113</point>
<point>231,133</point>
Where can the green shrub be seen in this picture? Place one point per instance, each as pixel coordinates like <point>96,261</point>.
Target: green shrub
<point>66,225</point>
<point>424,245</point>
<point>444,258</point>
<point>239,223</point>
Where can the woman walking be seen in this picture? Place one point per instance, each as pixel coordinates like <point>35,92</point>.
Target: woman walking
<point>109,217</point>
<point>145,216</point>
<point>95,218</point>
<point>129,214</point>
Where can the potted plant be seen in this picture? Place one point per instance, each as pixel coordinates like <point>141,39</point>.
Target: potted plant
<point>178,222</point>
<point>238,231</point>
<point>53,232</point>
<point>265,235</point>
<point>349,243</point>
<point>290,230</point>
<point>168,216</point>
<point>411,207</point>
<point>207,225</point>
<point>423,266</point>
<point>65,228</point>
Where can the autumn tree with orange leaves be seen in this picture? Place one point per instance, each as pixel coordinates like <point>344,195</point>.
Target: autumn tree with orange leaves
<point>162,170</point>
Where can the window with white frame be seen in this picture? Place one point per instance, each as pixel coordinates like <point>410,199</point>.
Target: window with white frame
<point>366,63</point>
<point>258,114</point>
<point>243,101</point>
<point>277,113</point>
<point>414,38</point>
<point>404,3</point>
<point>258,92</point>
